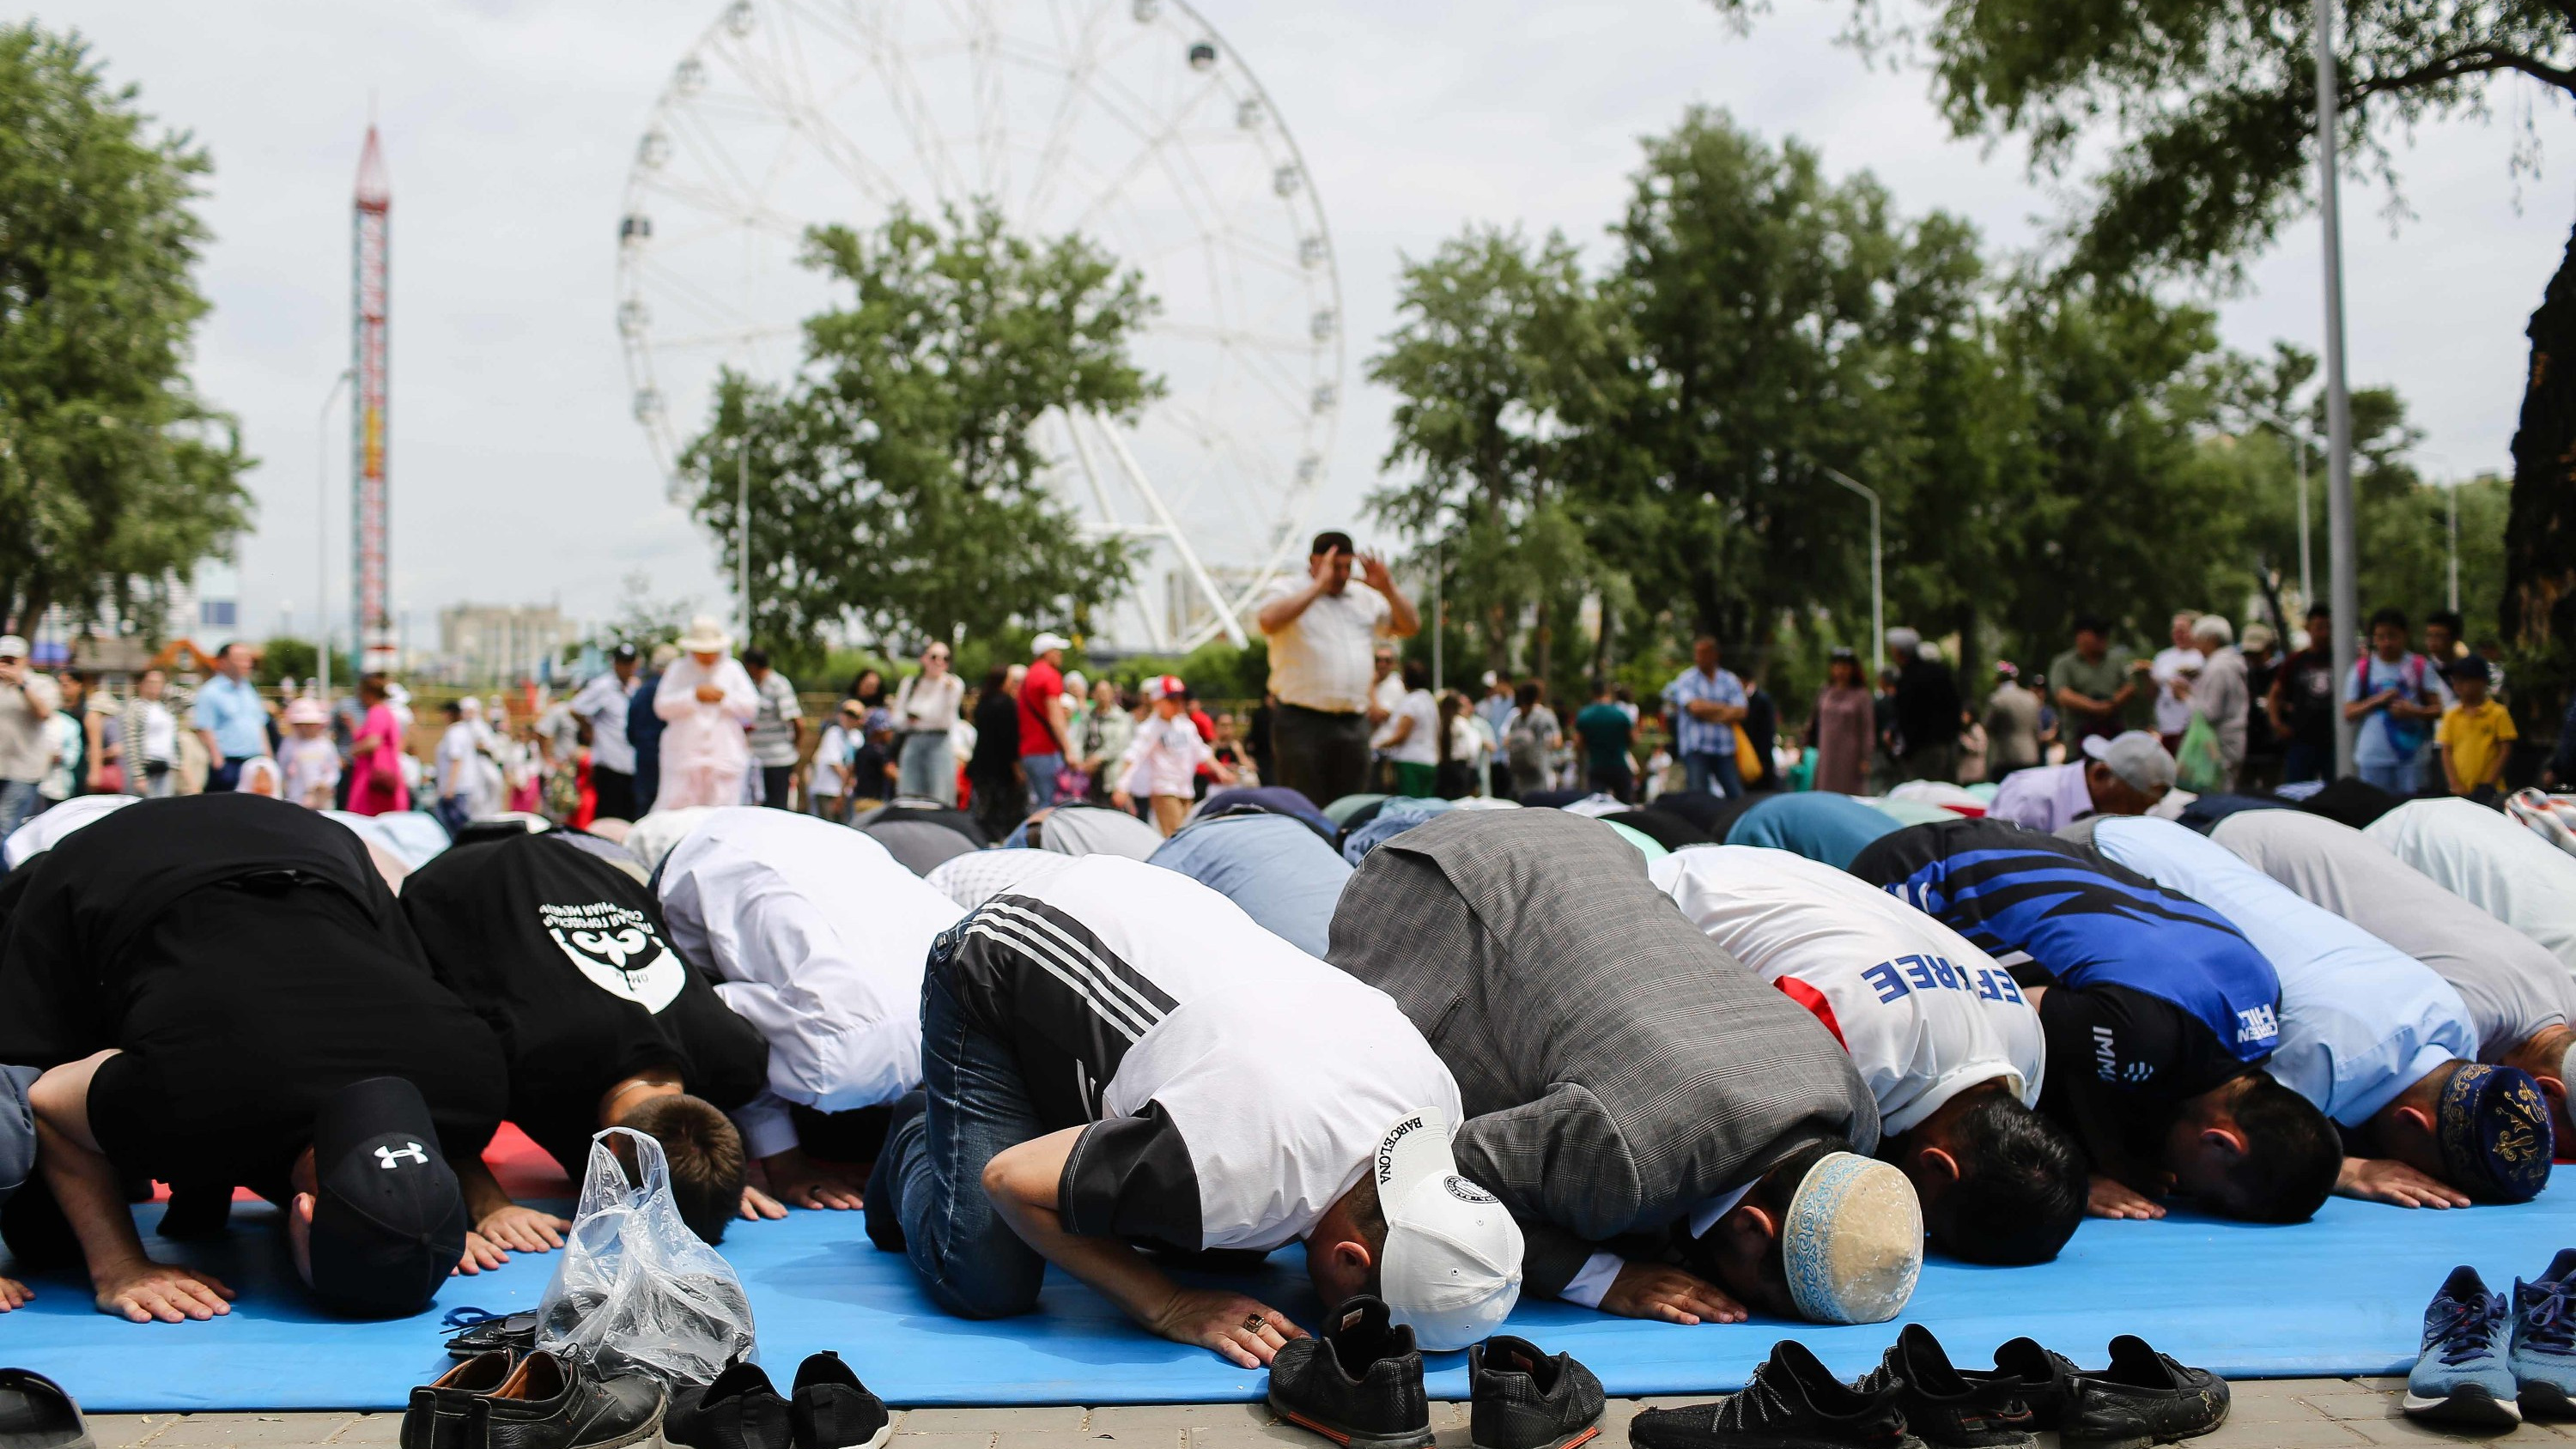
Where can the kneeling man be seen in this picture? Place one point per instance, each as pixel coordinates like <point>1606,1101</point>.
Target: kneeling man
<point>1948,1046</point>
<point>1119,1055</point>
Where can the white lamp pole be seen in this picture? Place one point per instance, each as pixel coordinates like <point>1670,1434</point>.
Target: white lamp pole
<point>322,540</point>
<point>1877,593</point>
<point>2340,544</point>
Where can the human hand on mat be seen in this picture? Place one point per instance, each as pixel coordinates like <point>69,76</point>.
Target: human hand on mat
<point>13,1294</point>
<point>757,1205</point>
<point>522,1229</point>
<point>142,1290</point>
<point>2108,1197</point>
<point>1650,1290</point>
<point>800,1181</point>
<point>1213,1318</point>
<point>480,1253</point>
<point>2380,1179</point>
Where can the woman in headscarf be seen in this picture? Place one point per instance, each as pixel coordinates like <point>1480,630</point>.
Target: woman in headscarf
<point>376,754</point>
<point>707,703</point>
<point>1844,729</point>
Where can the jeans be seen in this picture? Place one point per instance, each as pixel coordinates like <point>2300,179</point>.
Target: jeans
<point>777,785</point>
<point>930,1173</point>
<point>1042,773</point>
<point>2304,761</point>
<point>1322,756</point>
<point>2403,780</point>
<point>926,770</point>
<point>1712,772</point>
<point>226,776</point>
<point>1619,782</point>
<point>19,803</point>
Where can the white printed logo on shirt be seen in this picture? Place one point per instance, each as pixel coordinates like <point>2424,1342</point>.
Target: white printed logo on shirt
<point>616,948</point>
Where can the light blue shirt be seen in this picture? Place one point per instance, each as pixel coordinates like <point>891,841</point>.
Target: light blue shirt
<point>1275,867</point>
<point>2361,1021</point>
<point>2375,743</point>
<point>1697,736</point>
<point>230,710</point>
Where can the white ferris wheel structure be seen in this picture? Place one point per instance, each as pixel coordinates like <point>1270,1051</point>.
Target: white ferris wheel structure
<point>1130,122</point>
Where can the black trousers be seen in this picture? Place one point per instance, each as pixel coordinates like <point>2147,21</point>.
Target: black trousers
<point>1322,756</point>
<point>615,792</point>
<point>774,783</point>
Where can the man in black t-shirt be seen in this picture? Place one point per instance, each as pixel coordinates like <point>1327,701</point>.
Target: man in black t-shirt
<point>2300,704</point>
<point>565,954</point>
<point>215,985</point>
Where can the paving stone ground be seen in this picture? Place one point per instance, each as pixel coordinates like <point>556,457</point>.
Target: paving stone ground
<point>2268,1414</point>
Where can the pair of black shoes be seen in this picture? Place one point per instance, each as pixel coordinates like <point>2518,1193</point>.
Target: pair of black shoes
<point>828,1409</point>
<point>1916,1396</point>
<point>502,1399</point>
<point>1359,1383</point>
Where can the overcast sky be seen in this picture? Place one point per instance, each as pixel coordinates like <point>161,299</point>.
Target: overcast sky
<point>519,475</point>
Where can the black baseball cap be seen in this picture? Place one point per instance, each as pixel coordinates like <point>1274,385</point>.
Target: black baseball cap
<point>1330,540</point>
<point>2468,667</point>
<point>623,654</point>
<point>389,1219</point>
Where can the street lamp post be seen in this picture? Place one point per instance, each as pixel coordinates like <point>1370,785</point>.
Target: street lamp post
<point>1877,593</point>
<point>322,540</point>
<point>2298,440</point>
<point>2340,544</point>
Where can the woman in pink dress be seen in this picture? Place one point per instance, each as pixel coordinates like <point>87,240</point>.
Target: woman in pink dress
<point>1845,728</point>
<point>375,755</point>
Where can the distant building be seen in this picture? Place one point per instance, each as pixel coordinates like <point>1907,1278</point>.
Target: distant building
<point>500,643</point>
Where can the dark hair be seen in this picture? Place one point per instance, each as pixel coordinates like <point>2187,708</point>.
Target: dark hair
<point>864,694</point>
<point>2292,1156</point>
<point>1527,694</point>
<point>1416,676</point>
<point>2447,619</point>
<point>2092,624</point>
<point>2390,615</point>
<point>2021,1185</point>
<point>996,678</point>
<point>1451,706</point>
<point>707,1164</point>
<point>370,683</point>
<point>755,658</point>
<point>455,708</point>
<point>1331,540</point>
<point>1604,687</point>
<point>2320,610</point>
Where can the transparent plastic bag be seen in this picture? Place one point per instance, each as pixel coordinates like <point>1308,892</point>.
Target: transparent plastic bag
<point>634,1290</point>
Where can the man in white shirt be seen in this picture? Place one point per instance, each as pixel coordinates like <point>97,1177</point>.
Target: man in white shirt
<point>816,936</point>
<point>1322,634</point>
<point>603,703</point>
<point>2477,853</point>
<point>1121,1055</point>
<point>2173,671</point>
<point>1952,1053</point>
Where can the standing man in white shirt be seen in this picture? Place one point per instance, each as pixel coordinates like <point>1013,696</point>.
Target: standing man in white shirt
<point>1322,634</point>
<point>603,702</point>
<point>2173,671</point>
<point>777,730</point>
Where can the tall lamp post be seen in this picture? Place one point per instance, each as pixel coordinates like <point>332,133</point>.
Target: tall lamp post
<point>322,539</point>
<point>2340,545</point>
<point>2297,438</point>
<point>1877,593</point>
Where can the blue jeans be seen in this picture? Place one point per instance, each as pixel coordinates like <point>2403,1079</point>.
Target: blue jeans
<point>932,1164</point>
<point>926,770</point>
<point>2406,779</point>
<point>19,803</point>
<point>1043,771</point>
<point>2304,761</point>
<point>1711,773</point>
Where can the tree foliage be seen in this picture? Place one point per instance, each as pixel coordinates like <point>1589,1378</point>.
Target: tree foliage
<point>113,473</point>
<point>895,481</point>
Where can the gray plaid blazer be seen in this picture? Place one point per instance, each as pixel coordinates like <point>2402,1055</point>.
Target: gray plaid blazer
<point>1617,1066</point>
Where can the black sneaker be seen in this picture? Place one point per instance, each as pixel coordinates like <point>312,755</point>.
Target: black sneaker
<point>35,1413</point>
<point>833,1410</point>
<point>740,1410</point>
<point>438,1415</point>
<point>1518,1398</point>
<point>1794,1402</point>
<point>1942,1406</point>
<point>1359,1382</point>
<point>2042,1380</point>
<point>2143,1398</point>
<point>516,1333</point>
<point>556,1403</point>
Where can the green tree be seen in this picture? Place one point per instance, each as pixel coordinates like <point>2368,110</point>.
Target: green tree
<point>285,657</point>
<point>113,473</point>
<point>895,487</point>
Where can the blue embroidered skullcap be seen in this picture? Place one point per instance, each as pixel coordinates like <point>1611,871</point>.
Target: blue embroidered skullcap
<point>1853,1241</point>
<point>2493,1127</point>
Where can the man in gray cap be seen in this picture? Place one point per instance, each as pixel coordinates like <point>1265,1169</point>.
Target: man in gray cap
<point>1678,1139</point>
<point>2123,775</point>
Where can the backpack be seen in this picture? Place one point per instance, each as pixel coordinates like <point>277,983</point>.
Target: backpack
<point>1524,753</point>
<point>2404,736</point>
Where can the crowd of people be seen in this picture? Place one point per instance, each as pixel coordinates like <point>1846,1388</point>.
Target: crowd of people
<point>1473,1001</point>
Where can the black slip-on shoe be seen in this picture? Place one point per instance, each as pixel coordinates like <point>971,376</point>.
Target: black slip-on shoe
<point>740,1410</point>
<point>516,1333</point>
<point>1942,1406</point>
<point>440,1410</point>
<point>1793,1402</point>
<point>2044,1381</point>
<point>1358,1383</point>
<point>2143,1398</point>
<point>833,1410</point>
<point>558,1403</point>
<point>35,1413</point>
<point>1519,1398</point>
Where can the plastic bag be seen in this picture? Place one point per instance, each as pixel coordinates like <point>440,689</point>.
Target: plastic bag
<point>2197,766</point>
<point>635,1291</point>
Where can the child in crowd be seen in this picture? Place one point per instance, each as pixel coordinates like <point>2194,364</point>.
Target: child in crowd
<point>2476,734</point>
<point>310,759</point>
<point>1165,754</point>
<point>828,788</point>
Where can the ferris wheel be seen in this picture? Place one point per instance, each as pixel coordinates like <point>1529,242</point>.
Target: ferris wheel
<point>1130,122</point>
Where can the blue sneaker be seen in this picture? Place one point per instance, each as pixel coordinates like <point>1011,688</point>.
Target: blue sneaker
<point>2466,1373</point>
<point>2544,1339</point>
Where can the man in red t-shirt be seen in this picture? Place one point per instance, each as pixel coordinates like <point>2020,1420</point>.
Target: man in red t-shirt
<point>1045,716</point>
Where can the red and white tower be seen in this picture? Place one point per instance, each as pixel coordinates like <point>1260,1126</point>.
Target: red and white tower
<point>371,605</point>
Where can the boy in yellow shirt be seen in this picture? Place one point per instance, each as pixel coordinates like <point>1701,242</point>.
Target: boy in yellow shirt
<point>2476,734</point>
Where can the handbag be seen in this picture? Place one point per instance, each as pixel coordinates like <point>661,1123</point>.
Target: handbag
<point>1748,761</point>
<point>2197,766</point>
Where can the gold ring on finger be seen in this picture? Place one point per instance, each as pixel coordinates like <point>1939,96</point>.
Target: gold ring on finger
<point>1253,1323</point>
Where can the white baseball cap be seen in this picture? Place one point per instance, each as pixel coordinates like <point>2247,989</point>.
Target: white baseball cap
<point>12,647</point>
<point>1045,642</point>
<point>1452,1269</point>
